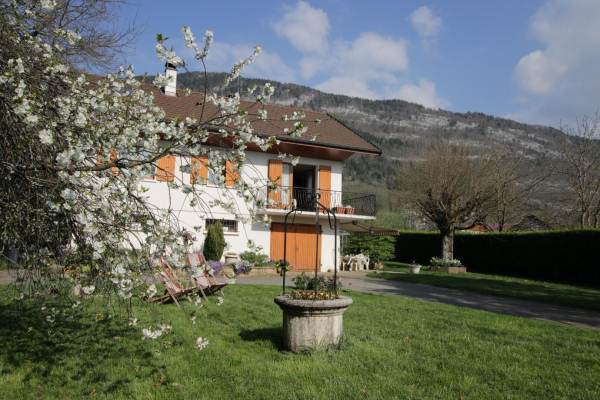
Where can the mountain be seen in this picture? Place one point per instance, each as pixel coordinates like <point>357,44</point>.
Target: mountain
<point>401,129</point>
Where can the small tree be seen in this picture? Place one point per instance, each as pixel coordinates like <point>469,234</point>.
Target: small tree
<point>451,188</point>
<point>513,179</point>
<point>214,243</point>
<point>581,168</point>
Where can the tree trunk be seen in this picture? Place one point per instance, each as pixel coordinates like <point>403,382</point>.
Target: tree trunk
<point>448,244</point>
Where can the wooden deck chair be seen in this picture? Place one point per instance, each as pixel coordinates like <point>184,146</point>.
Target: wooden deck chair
<point>206,283</point>
<point>173,287</point>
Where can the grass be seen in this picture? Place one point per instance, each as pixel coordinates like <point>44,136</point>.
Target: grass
<point>394,347</point>
<point>547,292</point>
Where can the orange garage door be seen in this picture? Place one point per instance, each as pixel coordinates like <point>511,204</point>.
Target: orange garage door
<point>301,245</point>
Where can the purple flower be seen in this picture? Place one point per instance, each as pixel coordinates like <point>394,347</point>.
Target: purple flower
<point>216,266</point>
<point>242,267</point>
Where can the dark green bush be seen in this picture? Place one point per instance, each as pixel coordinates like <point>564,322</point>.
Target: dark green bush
<point>560,256</point>
<point>379,248</point>
<point>214,243</point>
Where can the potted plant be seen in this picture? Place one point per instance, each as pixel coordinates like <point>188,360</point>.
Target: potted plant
<point>340,210</point>
<point>312,313</point>
<point>349,210</point>
<point>281,266</point>
<point>415,268</point>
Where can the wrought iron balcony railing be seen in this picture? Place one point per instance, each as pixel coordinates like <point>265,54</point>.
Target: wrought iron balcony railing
<point>284,197</point>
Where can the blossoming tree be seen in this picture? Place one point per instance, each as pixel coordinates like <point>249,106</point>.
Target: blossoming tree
<point>75,149</point>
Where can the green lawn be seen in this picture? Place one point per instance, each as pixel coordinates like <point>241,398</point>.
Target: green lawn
<point>394,347</point>
<point>546,292</point>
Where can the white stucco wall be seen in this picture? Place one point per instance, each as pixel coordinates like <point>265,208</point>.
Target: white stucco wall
<point>256,168</point>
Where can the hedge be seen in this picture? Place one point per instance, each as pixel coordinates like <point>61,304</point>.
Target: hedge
<point>560,256</point>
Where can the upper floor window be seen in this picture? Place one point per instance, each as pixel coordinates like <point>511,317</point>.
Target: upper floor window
<point>216,177</point>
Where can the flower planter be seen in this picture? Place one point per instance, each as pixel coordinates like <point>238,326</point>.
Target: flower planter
<point>350,210</point>
<point>312,324</point>
<point>340,210</point>
<point>453,270</point>
<point>415,270</point>
<point>231,258</point>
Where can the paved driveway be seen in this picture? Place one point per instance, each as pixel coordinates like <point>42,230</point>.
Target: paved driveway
<point>505,305</point>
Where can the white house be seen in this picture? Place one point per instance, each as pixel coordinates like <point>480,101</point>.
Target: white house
<point>322,150</point>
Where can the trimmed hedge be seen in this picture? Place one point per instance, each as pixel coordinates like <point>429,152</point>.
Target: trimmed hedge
<point>560,256</point>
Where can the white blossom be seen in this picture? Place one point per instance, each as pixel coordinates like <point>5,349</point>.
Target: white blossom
<point>201,343</point>
<point>148,333</point>
<point>46,136</point>
<point>88,290</point>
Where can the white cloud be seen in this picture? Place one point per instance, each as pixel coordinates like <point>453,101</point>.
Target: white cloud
<point>305,27</point>
<point>348,86</point>
<point>560,79</point>
<point>372,56</point>
<point>424,92</point>
<point>425,22</point>
<point>267,65</point>
<point>537,72</point>
<point>352,67</point>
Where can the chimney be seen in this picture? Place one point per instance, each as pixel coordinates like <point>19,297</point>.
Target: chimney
<point>170,88</point>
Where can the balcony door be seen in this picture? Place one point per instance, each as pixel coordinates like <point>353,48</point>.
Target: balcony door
<point>304,186</point>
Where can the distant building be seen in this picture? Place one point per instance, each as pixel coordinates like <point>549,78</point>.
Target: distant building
<point>530,223</point>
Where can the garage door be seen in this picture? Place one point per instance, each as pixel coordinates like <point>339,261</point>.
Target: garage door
<point>301,245</point>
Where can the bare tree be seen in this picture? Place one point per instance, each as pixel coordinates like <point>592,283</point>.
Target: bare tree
<point>102,43</point>
<point>513,179</point>
<point>581,167</point>
<point>451,188</point>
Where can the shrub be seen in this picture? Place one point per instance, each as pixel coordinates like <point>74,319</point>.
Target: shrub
<point>254,257</point>
<point>214,244</point>
<point>379,248</point>
<point>560,256</point>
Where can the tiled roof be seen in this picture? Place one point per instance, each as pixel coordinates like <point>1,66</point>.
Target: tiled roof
<point>329,132</point>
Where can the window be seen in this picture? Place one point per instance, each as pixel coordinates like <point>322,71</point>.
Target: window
<point>216,177</point>
<point>229,225</point>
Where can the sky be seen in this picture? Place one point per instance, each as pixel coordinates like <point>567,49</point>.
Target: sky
<point>536,61</point>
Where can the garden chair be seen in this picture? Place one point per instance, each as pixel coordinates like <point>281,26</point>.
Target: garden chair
<point>206,283</point>
<point>173,287</point>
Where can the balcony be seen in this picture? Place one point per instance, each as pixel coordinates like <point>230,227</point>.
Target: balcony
<point>346,204</point>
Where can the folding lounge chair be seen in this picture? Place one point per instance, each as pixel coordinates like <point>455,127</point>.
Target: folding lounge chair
<point>206,283</point>
<point>173,287</point>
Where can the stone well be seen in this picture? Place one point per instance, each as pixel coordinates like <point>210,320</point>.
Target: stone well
<point>312,324</point>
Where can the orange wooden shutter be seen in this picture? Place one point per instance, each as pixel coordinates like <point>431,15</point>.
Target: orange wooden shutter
<point>199,170</point>
<point>100,160</point>
<point>113,158</point>
<point>325,185</point>
<point>232,175</point>
<point>275,172</point>
<point>165,169</point>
